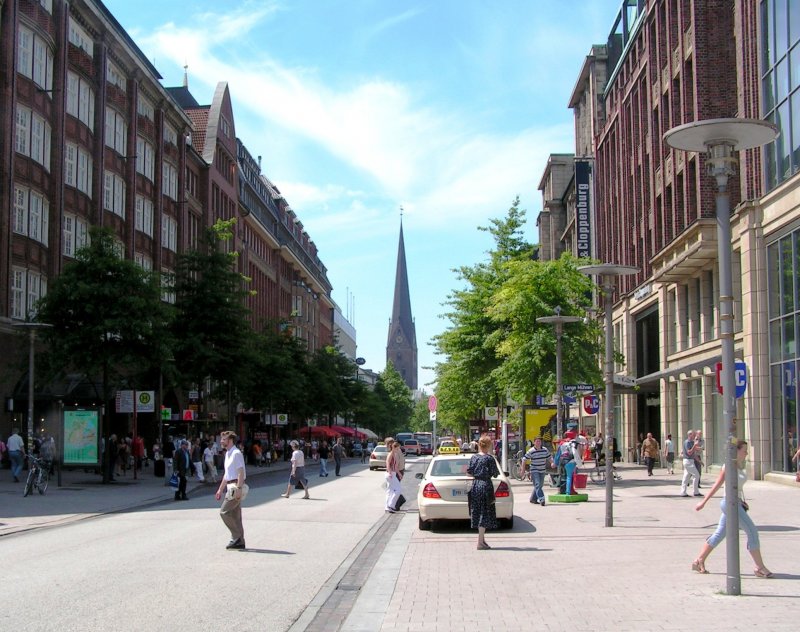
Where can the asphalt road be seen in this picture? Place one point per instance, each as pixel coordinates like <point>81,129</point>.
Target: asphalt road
<point>165,566</point>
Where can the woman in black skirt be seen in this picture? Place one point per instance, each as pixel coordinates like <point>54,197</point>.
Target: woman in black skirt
<point>483,468</point>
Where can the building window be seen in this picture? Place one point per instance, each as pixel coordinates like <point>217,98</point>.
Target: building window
<point>33,136</point>
<point>143,261</point>
<point>224,126</point>
<point>780,86</point>
<point>169,181</point>
<point>80,99</point>
<point>75,234</point>
<point>78,168</point>
<point>31,214</point>
<point>115,76</point>
<point>34,58</point>
<point>114,194</point>
<point>80,37</point>
<point>116,131</point>
<point>145,108</point>
<point>27,287</point>
<point>144,215</point>
<point>144,158</point>
<point>169,233</point>
<point>167,285</point>
<point>170,135</point>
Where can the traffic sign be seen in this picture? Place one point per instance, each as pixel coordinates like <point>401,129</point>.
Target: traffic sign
<point>739,378</point>
<point>591,404</point>
<point>624,380</point>
<point>433,415</point>
<point>432,403</point>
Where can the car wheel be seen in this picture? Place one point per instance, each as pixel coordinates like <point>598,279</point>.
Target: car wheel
<point>371,468</point>
<point>507,523</point>
<point>424,525</point>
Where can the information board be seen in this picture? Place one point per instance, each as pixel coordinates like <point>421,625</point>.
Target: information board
<point>81,433</point>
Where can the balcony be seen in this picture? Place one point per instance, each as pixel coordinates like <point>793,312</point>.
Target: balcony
<point>694,250</point>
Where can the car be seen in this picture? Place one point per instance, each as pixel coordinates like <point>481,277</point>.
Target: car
<point>443,490</point>
<point>448,446</point>
<point>410,446</point>
<point>425,447</point>
<point>377,458</point>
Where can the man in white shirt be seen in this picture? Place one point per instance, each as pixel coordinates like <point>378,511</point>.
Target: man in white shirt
<point>231,488</point>
<point>16,452</point>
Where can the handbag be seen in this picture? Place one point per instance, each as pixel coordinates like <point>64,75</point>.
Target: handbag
<point>173,481</point>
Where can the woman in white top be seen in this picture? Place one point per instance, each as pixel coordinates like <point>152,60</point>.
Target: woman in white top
<point>745,522</point>
<point>393,475</point>
<point>298,474</point>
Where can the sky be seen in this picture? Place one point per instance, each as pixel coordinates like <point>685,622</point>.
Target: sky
<point>447,109</point>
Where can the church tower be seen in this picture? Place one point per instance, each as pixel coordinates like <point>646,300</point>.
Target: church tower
<point>401,347</point>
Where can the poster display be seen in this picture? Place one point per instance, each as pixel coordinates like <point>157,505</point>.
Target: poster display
<point>81,434</point>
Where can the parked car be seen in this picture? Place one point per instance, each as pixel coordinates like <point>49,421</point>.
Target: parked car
<point>425,447</point>
<point>410,446</point>
<point>443,490</point>
<point>377,458</point>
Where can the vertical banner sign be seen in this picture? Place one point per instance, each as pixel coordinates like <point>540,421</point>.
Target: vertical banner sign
<point>583,196</point>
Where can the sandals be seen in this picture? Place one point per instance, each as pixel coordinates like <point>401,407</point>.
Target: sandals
<point>763,572</point>
<point>699,567</point>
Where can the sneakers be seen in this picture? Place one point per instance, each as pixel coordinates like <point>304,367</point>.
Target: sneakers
<point>685,495</point>
<point>236,545</point>
<point>542,502</point>
<point>697,494</point>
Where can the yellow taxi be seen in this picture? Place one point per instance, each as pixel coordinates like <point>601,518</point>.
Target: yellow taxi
<point>448,446</point>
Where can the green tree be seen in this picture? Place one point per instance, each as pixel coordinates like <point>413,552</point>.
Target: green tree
<point>396,396</point>
<point>467,379</point>
<point>109,322</point>
<point>211,326</point>
<point>533,289</point>
<point>421,417</point>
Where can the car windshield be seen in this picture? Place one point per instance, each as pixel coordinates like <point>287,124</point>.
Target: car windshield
<point>450,467</point>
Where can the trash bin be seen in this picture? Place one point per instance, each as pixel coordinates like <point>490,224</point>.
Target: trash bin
<point>159,468</point>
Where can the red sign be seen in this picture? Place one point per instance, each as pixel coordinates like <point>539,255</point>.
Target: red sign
<point>432,402</point>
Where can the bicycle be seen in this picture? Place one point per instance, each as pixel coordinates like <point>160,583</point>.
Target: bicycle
<point>38,475</point>
<point>598,472</point>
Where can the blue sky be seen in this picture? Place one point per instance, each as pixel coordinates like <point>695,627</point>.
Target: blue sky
<point>448,108</point>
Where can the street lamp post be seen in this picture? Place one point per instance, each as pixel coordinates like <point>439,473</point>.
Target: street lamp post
<point>31,328</point>
<point>608,273</point>
<point>558,322</point>
<point>719,139</point>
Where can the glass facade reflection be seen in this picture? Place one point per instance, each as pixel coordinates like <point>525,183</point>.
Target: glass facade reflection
<point>783,280</point>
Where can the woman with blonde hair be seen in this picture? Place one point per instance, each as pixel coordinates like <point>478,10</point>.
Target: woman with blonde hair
<point>393,475</point>
<point>745,522</point>
<point>482,513</point>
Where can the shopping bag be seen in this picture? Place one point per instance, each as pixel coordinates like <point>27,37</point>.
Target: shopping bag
<point>174,481</point>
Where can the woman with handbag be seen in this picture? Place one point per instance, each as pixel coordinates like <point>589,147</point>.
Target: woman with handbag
<point>745,522</point>
<point>393,475</point>
<point>482,513</point>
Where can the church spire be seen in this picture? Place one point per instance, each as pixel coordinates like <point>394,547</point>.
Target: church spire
<point>401,347</point>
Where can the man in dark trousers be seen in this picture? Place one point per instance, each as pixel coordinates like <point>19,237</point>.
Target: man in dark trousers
<point>338,453</point>
<point>183,468</point>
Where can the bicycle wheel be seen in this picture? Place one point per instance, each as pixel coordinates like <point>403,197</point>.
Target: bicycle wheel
<point>598,475</point>
<point>519,470</point>
<point>44,479</point>
<point>29,482</point>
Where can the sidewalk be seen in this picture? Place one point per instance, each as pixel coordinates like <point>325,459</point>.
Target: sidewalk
<point>562,569</point>
<point>83,495</point>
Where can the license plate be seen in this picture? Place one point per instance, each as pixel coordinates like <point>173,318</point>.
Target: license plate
<point>458,492</point>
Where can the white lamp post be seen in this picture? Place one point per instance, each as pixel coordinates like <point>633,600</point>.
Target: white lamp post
<point>558,321</point>
<point>719,139</point>
<point>608,273</point>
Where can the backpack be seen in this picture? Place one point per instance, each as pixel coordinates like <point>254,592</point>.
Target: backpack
<point>563,455</point>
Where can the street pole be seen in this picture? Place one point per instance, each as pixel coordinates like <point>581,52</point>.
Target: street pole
<point>607,274</point>
<point>719,139</point>
<point>31,328</point>
<point>558,322</point>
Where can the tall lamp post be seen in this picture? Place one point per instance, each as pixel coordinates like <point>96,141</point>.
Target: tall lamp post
<point>608,273</point>
<point>719,139</point>
<point>558,321</point>
<point>31,328</point>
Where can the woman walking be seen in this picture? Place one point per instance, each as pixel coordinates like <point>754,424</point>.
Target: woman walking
<point>393,475</point>
<point>483,468</point>
<point>298,473</point>
<point>745,522</point>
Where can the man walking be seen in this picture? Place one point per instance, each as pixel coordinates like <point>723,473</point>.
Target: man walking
<point>338,453</point>
<point>689,468</point>
<point>232,487</point>
<point>183,468</point>
<point>650,449</point>
<point>539,457</point>
<point>16,453</point>
<point>699,447</point>
<point>669,454</point>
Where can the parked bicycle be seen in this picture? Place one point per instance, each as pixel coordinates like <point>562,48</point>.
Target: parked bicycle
<point>38,475</point>
<point>598,472</point>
